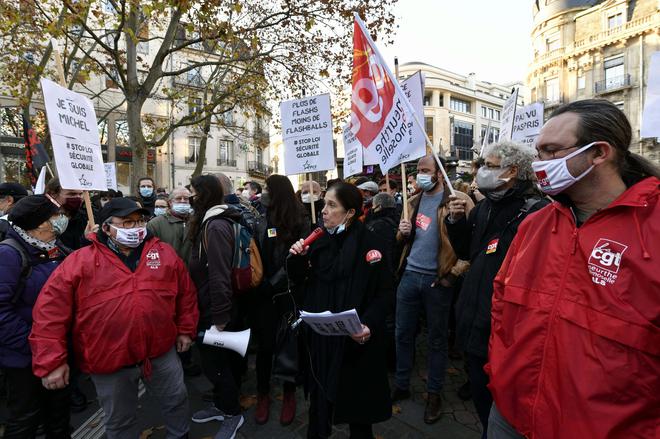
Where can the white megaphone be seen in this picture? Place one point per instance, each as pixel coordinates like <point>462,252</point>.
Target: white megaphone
<point>236,341</point>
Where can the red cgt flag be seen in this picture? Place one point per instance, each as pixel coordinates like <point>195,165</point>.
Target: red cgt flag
<point>373,91</point>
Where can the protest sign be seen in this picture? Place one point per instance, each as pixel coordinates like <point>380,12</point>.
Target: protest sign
<point>307,135</point>
<point>651,116</point>
<point>352,153</point>
<point>111,175</point>
<point>508,115</point>
<point>527,124</point>
<point>74,135</point>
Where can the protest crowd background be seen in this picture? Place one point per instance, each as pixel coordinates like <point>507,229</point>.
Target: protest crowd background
<point>536,271</point>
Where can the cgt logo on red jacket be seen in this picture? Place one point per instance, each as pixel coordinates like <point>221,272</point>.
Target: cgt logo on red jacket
<point>153,259</point>
<point>605,261</point>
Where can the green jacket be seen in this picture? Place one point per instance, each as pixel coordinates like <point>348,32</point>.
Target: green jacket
<point>174,231</point>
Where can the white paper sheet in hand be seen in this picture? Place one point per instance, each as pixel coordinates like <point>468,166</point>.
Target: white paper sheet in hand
<point>327,323</point>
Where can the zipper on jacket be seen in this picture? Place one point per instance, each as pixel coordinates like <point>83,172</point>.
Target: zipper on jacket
<point>552,316</point>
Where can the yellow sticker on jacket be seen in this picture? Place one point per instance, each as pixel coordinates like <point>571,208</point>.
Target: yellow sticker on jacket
<point>272,233</point>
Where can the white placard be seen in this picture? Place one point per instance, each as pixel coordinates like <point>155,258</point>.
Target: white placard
<point>352,153</point>
<point>413,87</point>
<point>74,135</point>
<point>307,135</point>
<point>327,323</point>
<point>69,114</point>
<point>651,116</point>
<point>111,175</point>
<point>528,123</point>
<point>508,113</point>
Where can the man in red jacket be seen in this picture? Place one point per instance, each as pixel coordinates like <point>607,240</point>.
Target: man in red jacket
<point>128,302</point>
<point>575,341</point>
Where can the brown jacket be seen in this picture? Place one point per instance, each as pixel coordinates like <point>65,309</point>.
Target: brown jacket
<point>448,262</point>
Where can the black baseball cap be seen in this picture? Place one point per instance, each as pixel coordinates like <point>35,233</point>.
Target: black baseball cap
<point>121,207</point>
<point>13,189</point>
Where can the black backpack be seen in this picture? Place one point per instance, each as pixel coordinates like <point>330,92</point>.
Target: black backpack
<point>26,267</point>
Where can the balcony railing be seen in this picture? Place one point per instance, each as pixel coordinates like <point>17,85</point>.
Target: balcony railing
<point>259,168</point>
<point>225,162</point>
<point>612,84</point>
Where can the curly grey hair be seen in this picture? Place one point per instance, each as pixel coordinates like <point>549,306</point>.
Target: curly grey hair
<point>514,154</point>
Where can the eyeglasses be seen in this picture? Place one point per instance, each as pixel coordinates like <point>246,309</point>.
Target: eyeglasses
<point>129,223</point>
<point>544,153</point>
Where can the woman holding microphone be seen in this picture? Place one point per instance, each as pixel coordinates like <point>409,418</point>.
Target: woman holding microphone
<point>342,270</point>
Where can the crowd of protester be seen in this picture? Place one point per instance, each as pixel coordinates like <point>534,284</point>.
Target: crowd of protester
<point>543,263</point>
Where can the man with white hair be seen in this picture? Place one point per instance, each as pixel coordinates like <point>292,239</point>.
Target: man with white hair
<point>483,237</point>
<point>171,227</point>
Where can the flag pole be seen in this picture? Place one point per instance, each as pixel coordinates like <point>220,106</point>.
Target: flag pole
<point>311,190</point>
<point>404,179</point>
<point>358,20</point>
<point>60,73</point>
<point>484,141</point>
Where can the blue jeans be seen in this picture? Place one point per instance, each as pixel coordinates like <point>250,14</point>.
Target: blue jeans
<point>415,294</point>
<point>499,428</point>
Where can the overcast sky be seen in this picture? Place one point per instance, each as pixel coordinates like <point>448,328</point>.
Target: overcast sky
<point>488,37</point>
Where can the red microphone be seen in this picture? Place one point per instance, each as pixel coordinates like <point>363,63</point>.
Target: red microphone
<point>316,234</point>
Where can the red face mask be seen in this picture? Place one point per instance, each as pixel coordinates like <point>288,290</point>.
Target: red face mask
<point>72,204</point>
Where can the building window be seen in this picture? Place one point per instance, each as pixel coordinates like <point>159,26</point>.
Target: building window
<point>194,76</point>
<point>193,150</point>
<point>581,82</point>
<point>108,7</point>
<point>614,73</point>
<point>194,105</point>
<point>493,134</point>
<point>143,47</point>
<point>427,100</point>
<point>615,20</point>
<point>490,113</point>
<point>463,139</point>
<point>459,105</point>
<point>226,153</point>
<point>552,43</point>
<point>121,133</point>
<point>428,126</point>
<point>552,90</point>
<point>228,117</point>
<point>259,155</point>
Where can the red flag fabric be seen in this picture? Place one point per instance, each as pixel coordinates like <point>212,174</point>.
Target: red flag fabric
<point>373,91</point>
<point>36,156</point>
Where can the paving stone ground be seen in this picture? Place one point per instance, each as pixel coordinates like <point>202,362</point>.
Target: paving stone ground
<point>459,420</point>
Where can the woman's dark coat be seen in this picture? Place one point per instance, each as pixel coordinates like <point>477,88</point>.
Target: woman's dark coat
<point>337,278</point>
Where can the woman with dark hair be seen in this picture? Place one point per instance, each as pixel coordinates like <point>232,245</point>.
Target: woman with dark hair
<point>344,269</point>
<point>211,230</point>
<point>285,222</point>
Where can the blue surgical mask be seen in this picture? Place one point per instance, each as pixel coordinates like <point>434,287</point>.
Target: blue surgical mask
<point>181,208</point>
<point>59,224</point>
<point>425,182</point>
<point>336,230</point>
<point>146,191</point>
<point>159,211</point>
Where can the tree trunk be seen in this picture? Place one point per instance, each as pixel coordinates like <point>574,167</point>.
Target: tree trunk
<point>199,166</point>
<point>137,141</point>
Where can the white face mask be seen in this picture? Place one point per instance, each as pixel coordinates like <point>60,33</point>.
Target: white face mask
<point>307,198</point>
<point>489,179</point>
<point>181,208</point>
<point>130,237</point>
<point>158,211</point>
<point>245,193</point>
<point>553,175</point>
